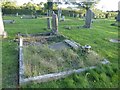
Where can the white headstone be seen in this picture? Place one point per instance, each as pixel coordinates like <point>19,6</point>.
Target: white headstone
<point>2,32</point>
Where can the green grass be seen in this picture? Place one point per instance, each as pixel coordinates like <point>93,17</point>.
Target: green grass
<point>105,76</point>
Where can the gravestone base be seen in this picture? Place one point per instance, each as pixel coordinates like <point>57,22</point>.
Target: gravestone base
<point>86,26</point>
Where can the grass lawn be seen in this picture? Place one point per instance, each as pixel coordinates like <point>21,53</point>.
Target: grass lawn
<point>97,36</point>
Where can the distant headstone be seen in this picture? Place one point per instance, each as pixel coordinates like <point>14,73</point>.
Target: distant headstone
<point>63,18</point>
<point>54,23</point>
<point>8,21</point>
<point>2,32</point>
<point>48,20</point>
<point>88,18</point>
<point>16,14</point>
<point>59,14</point>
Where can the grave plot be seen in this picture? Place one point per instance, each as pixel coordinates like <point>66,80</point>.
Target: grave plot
<point>54,56</point>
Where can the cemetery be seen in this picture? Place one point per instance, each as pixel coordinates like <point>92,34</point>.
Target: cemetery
<point>58,49</point>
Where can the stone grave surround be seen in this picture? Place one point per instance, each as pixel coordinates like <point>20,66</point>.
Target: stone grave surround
<point>88,18</point>
<point>54,23</point>
<point>2,32</point>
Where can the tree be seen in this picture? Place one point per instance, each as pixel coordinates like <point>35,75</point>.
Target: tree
<point>9,5</point>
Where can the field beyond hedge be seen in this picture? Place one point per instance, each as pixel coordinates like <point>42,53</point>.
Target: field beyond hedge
<point>104,76</point>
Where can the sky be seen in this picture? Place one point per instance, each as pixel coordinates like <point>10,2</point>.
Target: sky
<point>105,5</point>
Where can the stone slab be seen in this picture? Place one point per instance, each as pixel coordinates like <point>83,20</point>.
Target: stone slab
<point>72,44</point>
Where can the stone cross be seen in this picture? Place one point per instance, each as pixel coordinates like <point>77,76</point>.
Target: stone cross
<point>88,18</point>
<point>54,23</point>
<point>2,32</point>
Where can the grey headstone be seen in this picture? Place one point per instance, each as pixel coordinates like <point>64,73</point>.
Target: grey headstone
<point>48,20</point>
<point>59,14</point>
<point>88,18</point>
<point>54,23</point>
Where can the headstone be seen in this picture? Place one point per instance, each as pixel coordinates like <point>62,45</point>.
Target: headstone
<point>16,14</point>
<point>54,23</point>
<point>8,21</point>
<point>88,18</point>
<point>2,32</point>
<point>59,14</point>
<point>63,18</point>
<point>48,20</point>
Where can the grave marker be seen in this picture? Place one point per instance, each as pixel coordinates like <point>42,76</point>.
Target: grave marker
<point>16,14</point>
<point>48,20</point>
<point>63,18</point>
<point>2,32</point>
<point>59,14</point>
<point>88,18</point>
<point>54,23</point>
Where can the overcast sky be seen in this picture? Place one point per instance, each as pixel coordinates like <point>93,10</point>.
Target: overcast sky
<point>103,4</point>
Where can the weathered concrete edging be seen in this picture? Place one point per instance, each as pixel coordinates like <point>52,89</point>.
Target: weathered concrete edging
<point>46,77</point>
<point>21,64</point>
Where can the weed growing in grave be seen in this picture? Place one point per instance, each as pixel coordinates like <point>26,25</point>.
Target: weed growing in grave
<point>41,60</point>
